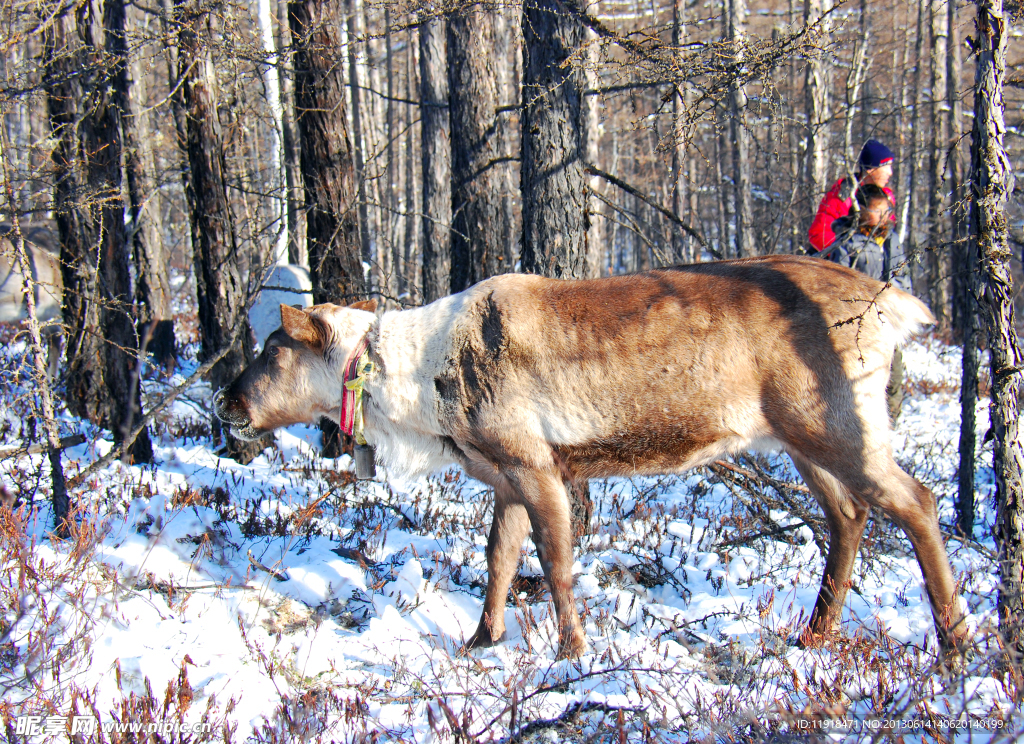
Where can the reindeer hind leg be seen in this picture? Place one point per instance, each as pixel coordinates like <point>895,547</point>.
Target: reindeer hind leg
<point>846,517</point>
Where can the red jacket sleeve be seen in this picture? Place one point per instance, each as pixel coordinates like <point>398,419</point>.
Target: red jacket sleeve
<point>830,210</point>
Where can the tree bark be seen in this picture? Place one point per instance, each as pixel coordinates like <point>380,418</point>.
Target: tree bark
<point>351,25</point>
<point>964,289</point>
<point>436,133</point>
<point>328,166</point>
<point>145,225</point>
<point>991,185</point>
<point>410,233</point>
<point>682,244</point>
<point>556,216</point>
<point>938,254</point>
<point>908,236</point>
<point>220,289</point>
<point>276,162</point>
<point>962,300</point>
<point>102,380</point>
<point>59,494</point>
<point>390,216</point>
<point>63,56</point>
<point>968,395</point>
<point>817,103</point>
<point>480,234</point>
<point>290,142</point>
<point>740,138</point>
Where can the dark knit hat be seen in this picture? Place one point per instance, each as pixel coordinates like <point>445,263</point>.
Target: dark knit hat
<point>874,154</point>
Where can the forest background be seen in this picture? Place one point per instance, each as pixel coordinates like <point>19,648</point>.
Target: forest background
<point>171,154</point>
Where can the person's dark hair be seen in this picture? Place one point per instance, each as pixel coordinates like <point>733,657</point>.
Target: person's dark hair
<point>869,194</point>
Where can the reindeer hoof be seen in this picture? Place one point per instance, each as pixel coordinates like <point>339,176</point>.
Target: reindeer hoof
<point>571,647</point>
<point>954,656</point>
<point>480,639</point>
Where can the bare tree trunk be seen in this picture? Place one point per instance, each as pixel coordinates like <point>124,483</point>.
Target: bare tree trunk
<point>276,164</point>
<point>62,57</point>
<point>680,245</point>
<point>437,194</point>
<point>152,287</point>
<point>965,306</point>
<point>411,231</point>
<point>937,254</point>
<point>854,81</point>
<point>556,217</point>
<point>968,393</point>
<point>507,45</point>
<point>865,95</point>
<point>907,234</point>
<point>290,143</point>
<point>59,494</point>
<point>817,107</point>
<point>740,138</point>
<point>991,185</point>
<point>391,180</point>
<point>723,192</point>
<point>478,238</point>
<point>114,140</point>
<point>375,138</point>
<point>351,24</point>
<point>220,288</point>
<point>962,300</point>
<point>102,381</point>
<point>328,166</point>
<point>554,138</point>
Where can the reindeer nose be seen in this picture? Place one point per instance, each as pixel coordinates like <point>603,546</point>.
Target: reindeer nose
<point>218,400</point>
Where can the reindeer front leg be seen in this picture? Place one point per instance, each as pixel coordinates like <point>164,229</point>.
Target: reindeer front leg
<point>547,503</point>
<point>508,530</point>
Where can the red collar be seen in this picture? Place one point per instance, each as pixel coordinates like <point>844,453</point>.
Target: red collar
<point>349,397</point>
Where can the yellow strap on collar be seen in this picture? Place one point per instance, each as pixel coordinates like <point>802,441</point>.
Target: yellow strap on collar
<point>363,367</point>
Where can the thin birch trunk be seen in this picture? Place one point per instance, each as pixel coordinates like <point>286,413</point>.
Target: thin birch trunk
<point>740,138</point>
<point>411,220</point>
<point>937,263</point>
<point>437,180</point>
<point>965,306</point>
<point>351,26</point>
<point>991,186</point>
<point>479,222</point>
<point>59,494</point>
<point>220,287</point>
<point>817,102</point>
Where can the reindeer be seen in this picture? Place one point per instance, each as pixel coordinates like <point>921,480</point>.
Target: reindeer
<point>528,383</point>
<point>43,252</point>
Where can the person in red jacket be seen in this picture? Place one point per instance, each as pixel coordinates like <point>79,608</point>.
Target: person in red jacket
<point>873,166</point>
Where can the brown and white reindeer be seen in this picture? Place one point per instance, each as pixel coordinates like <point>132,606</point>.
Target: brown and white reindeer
<point>529,382</point>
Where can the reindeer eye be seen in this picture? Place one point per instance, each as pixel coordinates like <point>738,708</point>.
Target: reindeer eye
<point>272,350</point>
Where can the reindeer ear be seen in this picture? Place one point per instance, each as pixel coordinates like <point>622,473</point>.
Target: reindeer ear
<point>367,305</point>
<point>298,325</point>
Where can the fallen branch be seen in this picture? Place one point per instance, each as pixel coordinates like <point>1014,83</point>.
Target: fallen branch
<point>744,539</point>
<point>36,449</point>
<point>775,483</point>
<point>169,398</point>
<point>279,575</point>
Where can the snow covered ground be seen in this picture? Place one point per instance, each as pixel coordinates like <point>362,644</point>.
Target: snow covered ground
<point>281,601</point>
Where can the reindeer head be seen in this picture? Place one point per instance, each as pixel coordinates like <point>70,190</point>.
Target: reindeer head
<point>297,378</point>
